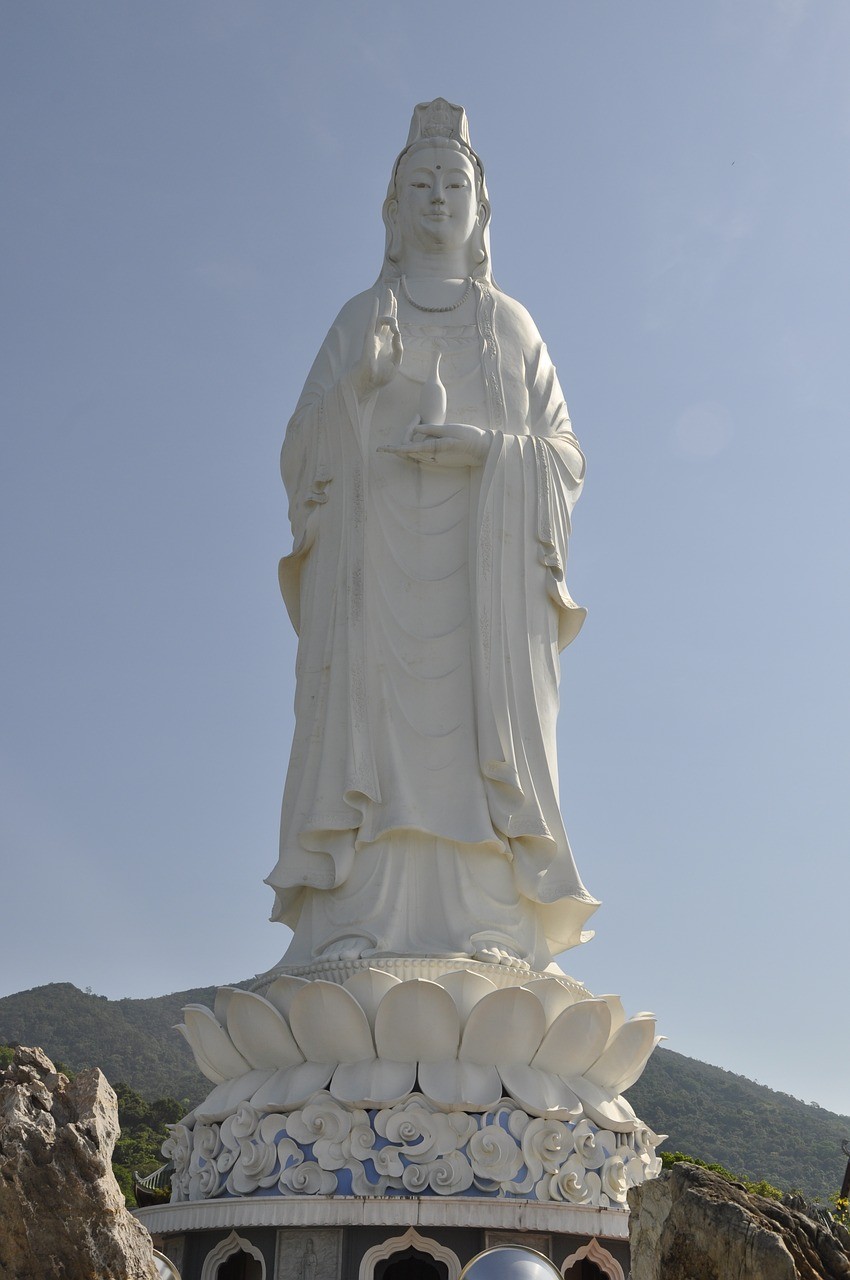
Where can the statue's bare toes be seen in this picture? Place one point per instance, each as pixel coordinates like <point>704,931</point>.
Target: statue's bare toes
<point>494,954</point>
<point>355,952</point>
<point>352,948</point>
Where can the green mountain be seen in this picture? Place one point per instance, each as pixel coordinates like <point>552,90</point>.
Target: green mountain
<point>705,1111</point>
<point>132,1041</point>
<point>756,1132</point>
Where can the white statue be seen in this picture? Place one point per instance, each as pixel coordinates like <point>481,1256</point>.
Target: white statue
<point>417,1038</point>
<point>431,470</point>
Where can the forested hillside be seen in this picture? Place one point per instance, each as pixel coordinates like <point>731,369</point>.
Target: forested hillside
<point>750,1129</point>
<point>132,1041</point>
<point>706,1112</point>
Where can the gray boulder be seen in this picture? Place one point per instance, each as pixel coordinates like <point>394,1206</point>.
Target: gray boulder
<point>62,1212</point>
<point>691,1224</point>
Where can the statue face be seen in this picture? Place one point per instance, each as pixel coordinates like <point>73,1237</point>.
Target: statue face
<point>438,205</point>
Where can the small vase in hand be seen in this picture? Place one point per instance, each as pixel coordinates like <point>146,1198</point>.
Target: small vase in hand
<point>433,400</point>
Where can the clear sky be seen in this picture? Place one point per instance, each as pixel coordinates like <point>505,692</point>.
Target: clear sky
<point>191,191</point>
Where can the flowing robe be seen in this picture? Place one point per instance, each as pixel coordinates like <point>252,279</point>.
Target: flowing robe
<point>421,810</point>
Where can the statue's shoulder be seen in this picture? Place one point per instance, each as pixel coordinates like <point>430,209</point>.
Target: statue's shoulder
<point>356,312</point>
<point>514,320</point>
<point>346,331</point>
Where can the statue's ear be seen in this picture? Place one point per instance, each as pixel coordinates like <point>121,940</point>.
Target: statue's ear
<point>391,216</point>
<point>479,251</point>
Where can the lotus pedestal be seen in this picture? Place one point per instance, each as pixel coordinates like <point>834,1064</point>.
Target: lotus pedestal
<point>416,1106</point>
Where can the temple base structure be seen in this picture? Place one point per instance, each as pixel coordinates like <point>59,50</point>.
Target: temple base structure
<point>351,1238</point>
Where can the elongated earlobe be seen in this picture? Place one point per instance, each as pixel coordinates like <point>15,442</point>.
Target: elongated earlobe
<point>394,247</point>
<point>479,253</point>
<point>479,242</point>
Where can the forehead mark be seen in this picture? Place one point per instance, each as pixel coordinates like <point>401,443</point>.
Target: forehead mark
<point>424,168</point>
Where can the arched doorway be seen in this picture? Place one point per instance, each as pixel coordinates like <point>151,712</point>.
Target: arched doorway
<point>411,1264</point>
<point>234,1259</point>
<point>409,1257</point>
<point>240,1266</point>
<point>592,1262</point>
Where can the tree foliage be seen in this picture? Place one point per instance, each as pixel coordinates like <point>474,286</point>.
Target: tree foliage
<point>143,1131</point>
<point>132,1040</point>
<point>732,1121</point>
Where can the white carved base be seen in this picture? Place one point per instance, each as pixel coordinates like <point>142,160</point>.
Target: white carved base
<point>328,1148</point>
<point>449,1083</point>
<point>431,1214</point>
<point>430,968</point>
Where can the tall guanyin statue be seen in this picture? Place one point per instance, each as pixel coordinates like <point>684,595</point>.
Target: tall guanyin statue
<point>432,470</point>
<point>418,1038</point>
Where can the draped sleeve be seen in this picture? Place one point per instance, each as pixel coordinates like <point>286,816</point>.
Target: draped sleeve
<point>560,466</point>
<point>309,460</point>
<point>531,480</point>
<point>331,775</point>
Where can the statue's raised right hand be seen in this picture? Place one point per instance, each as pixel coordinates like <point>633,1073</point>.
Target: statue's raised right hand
<point>382,349</point>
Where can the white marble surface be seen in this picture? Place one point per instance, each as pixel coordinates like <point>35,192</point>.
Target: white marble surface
<point>463,1041</point>
<point>424,867</point>
<point>413,1147</point>
<point>341,1211</point>
<point>431,469</point>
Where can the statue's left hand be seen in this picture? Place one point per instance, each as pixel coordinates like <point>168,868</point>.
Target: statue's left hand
<point>455,444</point>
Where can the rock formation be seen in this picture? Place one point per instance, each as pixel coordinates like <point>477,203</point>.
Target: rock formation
<point>691,1223</point>
<point>62,1212</point>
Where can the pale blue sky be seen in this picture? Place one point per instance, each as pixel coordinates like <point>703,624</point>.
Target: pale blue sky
<point>191,191</point>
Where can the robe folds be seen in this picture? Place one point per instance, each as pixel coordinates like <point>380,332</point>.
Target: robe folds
<point>430,604</point>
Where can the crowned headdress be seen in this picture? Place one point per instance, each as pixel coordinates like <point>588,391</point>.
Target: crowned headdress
<point>439,121</point>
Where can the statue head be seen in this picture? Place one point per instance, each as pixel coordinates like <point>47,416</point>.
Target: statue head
<point>438,150</point>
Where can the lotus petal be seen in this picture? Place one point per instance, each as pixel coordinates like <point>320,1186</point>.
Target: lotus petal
<point>604,1108</point>
<point>283,991</point>
<point>291,1086</point>
<point>626,1081</point>
<point>575,1039</point>
<point>222,1000</point>
<point>203,1064</point>
<point>466,989</point>
<point>329,1024</point>
<point>506,1026</point>
<point>625,1056</point>
<point>539,1092</point>
<point>224,1100</point>
<point>618,1013</point>
<point>369,988</point>
<point>460,1084</point>
<point>553,995</point>
<point>214,1042</point>
<point>417,1020</point>
<point>373,1083</point>
<point>259,1032</point>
